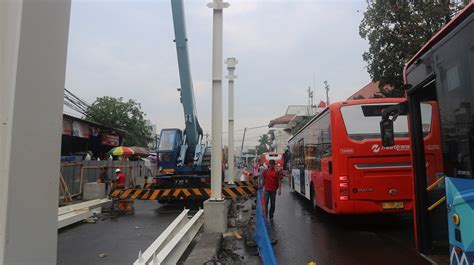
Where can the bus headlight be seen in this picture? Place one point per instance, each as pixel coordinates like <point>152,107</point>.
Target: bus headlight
<point>456,219</point>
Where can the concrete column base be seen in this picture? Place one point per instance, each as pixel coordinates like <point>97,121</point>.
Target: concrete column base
<point>215,216</point>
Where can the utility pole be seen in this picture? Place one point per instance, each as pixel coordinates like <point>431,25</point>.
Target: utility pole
<point>215,209</point>
<point>310,101</point>
<point>231,62</point>
<point>242,147</point>
<point>326,87</point>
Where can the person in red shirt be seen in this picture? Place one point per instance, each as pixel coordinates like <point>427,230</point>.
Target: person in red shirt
<point>120,182</point>
<point>271,184</point>
<point>119,179</point>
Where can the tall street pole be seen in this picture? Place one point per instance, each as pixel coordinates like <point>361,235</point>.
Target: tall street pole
<point>216,150</point>
<point>33,51</point>
<point>231,62</point>
<point>242,147</point>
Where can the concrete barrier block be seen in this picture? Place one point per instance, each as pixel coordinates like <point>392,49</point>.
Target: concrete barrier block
<point>93,190</point>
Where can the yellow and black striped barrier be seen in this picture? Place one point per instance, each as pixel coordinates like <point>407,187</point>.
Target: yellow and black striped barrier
<point>181,194</point>
<point>237,183</point>
<point>244,183</point>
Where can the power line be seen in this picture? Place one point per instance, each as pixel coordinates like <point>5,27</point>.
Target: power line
<point>75,103</point>
<point>249,128</point>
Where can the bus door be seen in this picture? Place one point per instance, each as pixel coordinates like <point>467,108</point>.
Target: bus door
<point>430,221</point>
<point>444,71</point>
<point>302,168</point>
<point>430,205</point>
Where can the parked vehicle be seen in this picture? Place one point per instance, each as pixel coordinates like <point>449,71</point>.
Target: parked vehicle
<point>339,164</point>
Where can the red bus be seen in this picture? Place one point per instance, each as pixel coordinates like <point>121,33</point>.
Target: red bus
<point>278,157</point>
<point>339,164</point>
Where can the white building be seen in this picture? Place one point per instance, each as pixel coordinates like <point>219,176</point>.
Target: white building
<point>281,127</point>
<point>280,132</point>
<point>154,143</point>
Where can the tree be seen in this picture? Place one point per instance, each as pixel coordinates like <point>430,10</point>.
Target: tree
<point>263,144</point>
<point>116,113</point>
<point>396,30</point>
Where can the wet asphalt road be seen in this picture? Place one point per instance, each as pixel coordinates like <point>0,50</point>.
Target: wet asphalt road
<point>304,236</point>
<point>81,244</point>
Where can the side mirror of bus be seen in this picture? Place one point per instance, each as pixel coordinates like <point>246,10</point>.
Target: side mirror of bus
<point>389,116</point>
<point>387,133</point>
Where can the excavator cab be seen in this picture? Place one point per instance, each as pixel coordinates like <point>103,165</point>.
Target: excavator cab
<point>168,151</point>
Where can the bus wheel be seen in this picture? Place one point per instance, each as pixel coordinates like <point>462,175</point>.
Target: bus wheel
<point>314,205</point>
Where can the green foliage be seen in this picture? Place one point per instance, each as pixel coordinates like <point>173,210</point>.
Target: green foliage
<point>263,144</point>
<point>396,30</point>
<point>115,113</point>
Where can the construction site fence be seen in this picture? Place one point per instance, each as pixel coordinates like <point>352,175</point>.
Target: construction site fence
<point>74,175</point>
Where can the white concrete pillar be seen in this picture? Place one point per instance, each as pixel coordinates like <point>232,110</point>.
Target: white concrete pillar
<point>216,145</point>
<point>33,48</point>
<point>231,62</point>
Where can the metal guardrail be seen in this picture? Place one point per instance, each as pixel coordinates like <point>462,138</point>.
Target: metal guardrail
<point>171,244</point>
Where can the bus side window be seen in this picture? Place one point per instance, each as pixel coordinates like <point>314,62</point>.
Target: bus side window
<point>312,156</point>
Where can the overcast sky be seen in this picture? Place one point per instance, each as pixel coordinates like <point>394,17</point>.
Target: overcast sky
<point>126,49</point>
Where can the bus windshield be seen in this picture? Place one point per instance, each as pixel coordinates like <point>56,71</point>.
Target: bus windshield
<point>363,121</point>
<point>167,140</point>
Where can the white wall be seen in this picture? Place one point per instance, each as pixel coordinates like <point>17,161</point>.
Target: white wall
<point>281,139</point>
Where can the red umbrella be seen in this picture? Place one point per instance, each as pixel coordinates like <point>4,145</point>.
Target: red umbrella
<point>140,151</point>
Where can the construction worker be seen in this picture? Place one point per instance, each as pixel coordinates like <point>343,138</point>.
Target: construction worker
<point>119,179</point>
<point>271,184</point>
<point>120,182</point>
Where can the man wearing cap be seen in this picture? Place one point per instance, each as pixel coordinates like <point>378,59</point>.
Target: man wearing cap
<point>271,183</point>
<point>119,179</point>
<point>120,182</point>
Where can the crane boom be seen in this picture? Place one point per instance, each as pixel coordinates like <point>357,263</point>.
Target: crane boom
<point>193,131</point>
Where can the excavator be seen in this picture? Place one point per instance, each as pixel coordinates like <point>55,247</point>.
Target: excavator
<point>183,167</point>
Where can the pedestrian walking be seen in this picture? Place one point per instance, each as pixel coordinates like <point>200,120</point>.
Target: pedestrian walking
<point>272,185</point>
<point>287,158</point>
<point>148,172</point>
